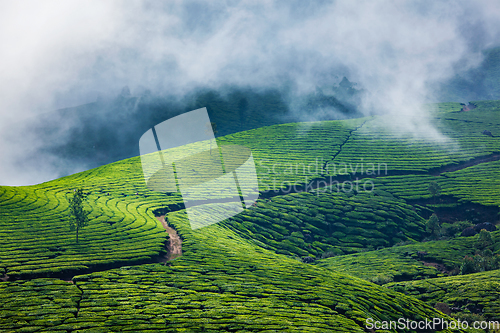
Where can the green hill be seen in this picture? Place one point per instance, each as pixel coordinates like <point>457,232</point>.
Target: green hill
<point>221,283</point>
<point>312,224</point>
<point>466,295</point>
<point>406,262</point>
<point>250,272</point>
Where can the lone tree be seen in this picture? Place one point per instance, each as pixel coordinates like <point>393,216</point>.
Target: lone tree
<point>434,188</point>
<point>79,217</point>
<point>484,239</point>
<point>433,226</point>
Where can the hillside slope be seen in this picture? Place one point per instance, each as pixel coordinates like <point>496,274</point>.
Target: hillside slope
<point>473,294</point>
<point>243,274</point>
<point>222,283</point>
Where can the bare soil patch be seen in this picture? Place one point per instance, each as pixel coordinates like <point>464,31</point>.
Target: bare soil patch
<point>440,267</point>
<point>174,246</point>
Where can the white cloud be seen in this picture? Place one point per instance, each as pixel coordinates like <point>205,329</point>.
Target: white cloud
<point>56,54</point>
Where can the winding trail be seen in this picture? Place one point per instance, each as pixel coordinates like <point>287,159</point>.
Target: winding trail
<point>325,181</point>
<point>174,243</point>
<point>464,164</point>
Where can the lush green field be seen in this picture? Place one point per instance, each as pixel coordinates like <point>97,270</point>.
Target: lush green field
<point>36,240</point>
<point>477,184</point>
<point>317,223</point>
<point>404,262</point>
<point>246,273</point>
<point>293,153</point>
<point>423,150</point>
<point>465,294</point>
<point>222,283</point>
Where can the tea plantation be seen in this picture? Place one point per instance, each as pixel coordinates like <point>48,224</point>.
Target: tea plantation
<point>222,283</point>
<point>262,270</point>
<point>467,295</point>
<point>313,223</point>
<point>477,184</point>
<point>36,240</point>
<point>405,262</point>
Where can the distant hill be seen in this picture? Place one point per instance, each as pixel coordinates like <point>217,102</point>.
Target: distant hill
<point>95,134</point>
<point>482,83</point>
<point>106,131</point>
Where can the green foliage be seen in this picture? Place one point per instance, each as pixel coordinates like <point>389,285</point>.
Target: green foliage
<point>36,240</point>
<point>292,153</point>
<point>381,279</point>
<point>79,216</point>
<point>382,266</point>
<point>401,263</point>
<point>484,239</point>
<point>241,275</point>
<point>432,226</point>
<point>39,304</point>
<point>221,283</point>
<point>453,229</point>
<point>434,188</point>
<point>473,294</point>
<point>480,263</point>
<point>470,265</point>
<point>310,224</point>
<point>477,184</point>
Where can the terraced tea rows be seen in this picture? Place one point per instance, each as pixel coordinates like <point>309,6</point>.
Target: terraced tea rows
<point>296,153</point>
<point>222,283</point>
<point>37,305</point>
<point>311,224</point>
<point>457,141</point>
<point>476,294</point>
<point>33,218</point>
<point>381,266</point>
<point>293,153</point>
<point>406,262</point>
<point>233,276</point>
<point>36,240</point>
<point>478,184</point>
<point>486,113</point>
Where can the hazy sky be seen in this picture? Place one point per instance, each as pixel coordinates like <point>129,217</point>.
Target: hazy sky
<point>58,54</point>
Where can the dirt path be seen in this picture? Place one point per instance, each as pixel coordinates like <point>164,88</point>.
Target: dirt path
<point>175,242</point>
<point>326,181</point>
<point>440,267</point>
<point>465,164</point>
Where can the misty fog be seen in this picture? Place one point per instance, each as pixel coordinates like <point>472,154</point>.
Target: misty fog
<point>76,57</point>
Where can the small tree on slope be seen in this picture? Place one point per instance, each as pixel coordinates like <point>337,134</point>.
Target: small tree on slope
<point>78,215</point>
<point>435,189</point>
<point>433,226</point>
